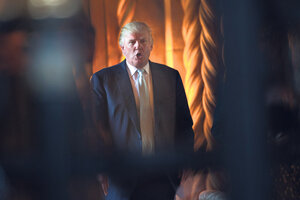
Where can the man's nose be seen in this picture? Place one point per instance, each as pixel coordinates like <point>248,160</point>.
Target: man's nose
<point>137,45</point>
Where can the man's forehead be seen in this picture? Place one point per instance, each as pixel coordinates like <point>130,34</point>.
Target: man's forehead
<point>137,35</point>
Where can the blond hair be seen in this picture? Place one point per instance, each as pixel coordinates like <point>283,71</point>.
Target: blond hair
<point>134,27</point>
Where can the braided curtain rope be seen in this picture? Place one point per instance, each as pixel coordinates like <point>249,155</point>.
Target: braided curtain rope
<point>200,59</point>
<point>209,49</point>
<point>192,58</point>
<point>125,13</point>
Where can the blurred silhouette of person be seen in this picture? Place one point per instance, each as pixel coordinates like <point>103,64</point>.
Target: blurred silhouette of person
<point>41,116</point>
<point>18,136</point>
<point>141,107</point>
<point>15,101</point>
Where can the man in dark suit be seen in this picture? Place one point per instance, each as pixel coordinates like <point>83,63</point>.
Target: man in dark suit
<point>141,108</point>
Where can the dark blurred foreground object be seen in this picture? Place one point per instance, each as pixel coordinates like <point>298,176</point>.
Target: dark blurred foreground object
<point>280,45</point>
<point>283,138</point>
<point>42,121</point>
<point>18,107</point>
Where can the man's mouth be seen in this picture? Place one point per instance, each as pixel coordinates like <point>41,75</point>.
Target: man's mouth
<point>138,55</point>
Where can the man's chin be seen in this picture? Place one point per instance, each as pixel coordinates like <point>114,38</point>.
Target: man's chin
<point>140,64</point>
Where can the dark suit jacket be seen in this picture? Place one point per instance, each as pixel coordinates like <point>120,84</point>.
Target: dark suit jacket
<point>116,111</point>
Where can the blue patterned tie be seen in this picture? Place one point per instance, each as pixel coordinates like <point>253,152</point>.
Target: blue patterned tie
<point>146,121</point>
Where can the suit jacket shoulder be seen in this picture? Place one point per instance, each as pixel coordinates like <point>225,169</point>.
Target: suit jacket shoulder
<point>163,68</point>
<point>107,72</point>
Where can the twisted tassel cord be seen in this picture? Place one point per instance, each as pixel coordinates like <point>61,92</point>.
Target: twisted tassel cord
<point>209,49</point>
<point>192,58</point>
<point>200,60</point>
<point>200,57</point>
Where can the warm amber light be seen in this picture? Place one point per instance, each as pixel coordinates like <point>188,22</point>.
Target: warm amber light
<point>168,34</point>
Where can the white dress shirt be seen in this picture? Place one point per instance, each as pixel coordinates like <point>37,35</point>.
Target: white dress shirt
<point>133,74</point>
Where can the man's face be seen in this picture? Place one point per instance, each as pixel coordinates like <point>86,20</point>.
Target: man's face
<point>136,48</point>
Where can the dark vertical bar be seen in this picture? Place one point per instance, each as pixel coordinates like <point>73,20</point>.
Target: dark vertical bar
<point>245,137</point>
<point>55,150</point>
<point>60,113</point>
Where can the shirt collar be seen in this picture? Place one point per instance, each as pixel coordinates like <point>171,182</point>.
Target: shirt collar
<point>133,69</point>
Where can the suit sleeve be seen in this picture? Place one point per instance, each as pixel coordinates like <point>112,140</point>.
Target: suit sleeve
<point>100,111</point>
<point>184,122</point>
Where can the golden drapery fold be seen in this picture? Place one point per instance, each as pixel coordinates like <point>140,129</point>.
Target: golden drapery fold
<point>125,13</point>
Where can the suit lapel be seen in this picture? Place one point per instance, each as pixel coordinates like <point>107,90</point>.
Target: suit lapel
<point>157,93</point>
<point>125,89</point>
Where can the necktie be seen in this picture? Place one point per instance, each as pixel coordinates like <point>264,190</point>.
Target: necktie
<point>146,122</point>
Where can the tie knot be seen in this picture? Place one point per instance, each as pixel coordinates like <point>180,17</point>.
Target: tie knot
<point>141,71</point>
